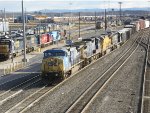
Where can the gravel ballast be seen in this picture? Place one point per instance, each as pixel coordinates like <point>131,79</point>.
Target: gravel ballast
<point>61,97</point>
<point>121,95</point>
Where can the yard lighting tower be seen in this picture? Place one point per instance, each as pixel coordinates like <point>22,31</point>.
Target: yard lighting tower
<point>120,3</point>
<point>24,37</point>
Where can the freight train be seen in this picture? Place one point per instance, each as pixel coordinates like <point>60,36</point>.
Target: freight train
<point>58,62</point>
<point>13,45</point>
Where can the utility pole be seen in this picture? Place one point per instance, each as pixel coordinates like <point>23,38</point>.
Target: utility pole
<point>13,17</point>
<point>95,21</point>
<point>79,24</point>
<point>2,19</point>
<point>69,26</point>
<point>69,20</point>
<point>105,20</point>
<point>5,21</point>
<point>120,3</point>
<point>24,37</point>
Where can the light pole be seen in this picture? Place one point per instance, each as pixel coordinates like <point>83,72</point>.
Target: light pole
<point>79,24</point>
<point>70,21</point>
<point>148,9</point>
<point>120,3</point>
<point>105,20</point>
<point>2,13</point>
<point>95,21</point>
<point>24,37</point>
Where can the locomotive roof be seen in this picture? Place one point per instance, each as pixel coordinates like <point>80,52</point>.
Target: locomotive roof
<point>54,50</point>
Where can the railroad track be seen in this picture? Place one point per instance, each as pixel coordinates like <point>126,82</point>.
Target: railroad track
<point>20,96</point>
<point>84,101</point>
<point>25,105</point>
<point>145,100</point>
<point>7,96</point>
<point>34,96</point>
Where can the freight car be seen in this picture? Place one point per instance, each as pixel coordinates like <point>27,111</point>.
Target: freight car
<point>124,33</point>
<point>62,59</point>
<point>67,57</point>
<point>133,28</point>
<point>59,61</point>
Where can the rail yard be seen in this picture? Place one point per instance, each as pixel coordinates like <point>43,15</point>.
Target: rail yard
<point>70,62</point>
<point>108,82</point>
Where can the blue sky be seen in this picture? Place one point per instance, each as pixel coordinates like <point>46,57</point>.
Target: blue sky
<point>32,5</point>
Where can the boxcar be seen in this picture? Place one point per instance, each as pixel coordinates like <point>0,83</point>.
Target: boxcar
<point>124,34</point>
<point>133,28</point>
